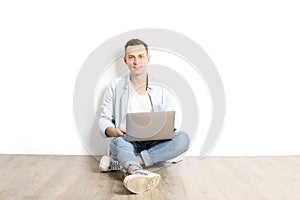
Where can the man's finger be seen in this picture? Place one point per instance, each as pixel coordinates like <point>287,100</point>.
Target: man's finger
<point>123,130</point>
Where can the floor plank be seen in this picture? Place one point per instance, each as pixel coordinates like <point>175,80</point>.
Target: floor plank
<point>77,177</point>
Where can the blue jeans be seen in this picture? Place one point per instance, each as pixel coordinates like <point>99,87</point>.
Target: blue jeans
<point>152,152</point>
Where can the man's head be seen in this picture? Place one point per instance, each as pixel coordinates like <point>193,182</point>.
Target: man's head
<point>134,42</point>
<point>136,56</point>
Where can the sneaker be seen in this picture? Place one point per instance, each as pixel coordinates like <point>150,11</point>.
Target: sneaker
<point>141,180</point>
<point>107,164</point>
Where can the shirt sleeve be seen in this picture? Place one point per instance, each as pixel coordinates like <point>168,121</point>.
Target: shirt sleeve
<point>106,118</point>
<point>166,101</point>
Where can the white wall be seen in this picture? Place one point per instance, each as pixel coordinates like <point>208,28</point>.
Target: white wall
<point>255,47</point>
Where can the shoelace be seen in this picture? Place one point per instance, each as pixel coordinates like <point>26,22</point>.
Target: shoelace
<point>140,171</point>
<point>115,165</point>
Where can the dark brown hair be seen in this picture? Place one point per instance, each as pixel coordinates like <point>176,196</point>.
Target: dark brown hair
<point>134,42</point>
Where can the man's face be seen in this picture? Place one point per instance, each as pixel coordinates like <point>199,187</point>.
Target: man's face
<point>136,59</point>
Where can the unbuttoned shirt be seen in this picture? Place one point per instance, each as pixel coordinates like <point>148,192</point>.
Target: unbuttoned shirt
<point>116,96</point>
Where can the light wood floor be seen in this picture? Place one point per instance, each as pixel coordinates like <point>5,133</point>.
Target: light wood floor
<point>77,177</point>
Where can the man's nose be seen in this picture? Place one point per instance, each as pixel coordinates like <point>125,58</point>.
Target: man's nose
<point>136,60</point>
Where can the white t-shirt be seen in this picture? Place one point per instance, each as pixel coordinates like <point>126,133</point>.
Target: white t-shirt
<point>137,103</point>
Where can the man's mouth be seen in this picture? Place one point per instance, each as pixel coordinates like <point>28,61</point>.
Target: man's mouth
<point>137,67</point>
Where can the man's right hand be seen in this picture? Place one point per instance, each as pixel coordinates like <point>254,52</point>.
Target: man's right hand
<point>115,132</point>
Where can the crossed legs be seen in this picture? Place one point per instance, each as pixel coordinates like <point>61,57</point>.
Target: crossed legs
<point>132,155</point>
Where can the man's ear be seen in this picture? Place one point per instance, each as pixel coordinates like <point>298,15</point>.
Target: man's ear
<point>124,59</point>
<point>149,58</point>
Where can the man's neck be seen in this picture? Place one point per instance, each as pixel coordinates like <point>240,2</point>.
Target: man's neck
<point>139,82</point>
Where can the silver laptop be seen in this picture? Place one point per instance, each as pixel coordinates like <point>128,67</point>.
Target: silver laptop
<point>150,126</point>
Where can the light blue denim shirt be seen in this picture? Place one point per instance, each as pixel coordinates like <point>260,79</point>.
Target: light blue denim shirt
<point>116,96</point>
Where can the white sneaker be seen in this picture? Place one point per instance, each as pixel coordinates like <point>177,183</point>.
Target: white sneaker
<point>107,164</point>
<point>141,180</point>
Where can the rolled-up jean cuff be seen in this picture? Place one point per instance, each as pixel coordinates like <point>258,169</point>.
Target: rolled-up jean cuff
<point>146,158</point>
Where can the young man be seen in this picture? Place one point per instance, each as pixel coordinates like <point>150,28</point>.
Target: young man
<point>136,92</point>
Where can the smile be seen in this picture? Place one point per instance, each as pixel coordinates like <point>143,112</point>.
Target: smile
<point>137,67</point>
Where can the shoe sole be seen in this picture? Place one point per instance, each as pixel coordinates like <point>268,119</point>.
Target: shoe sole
<point>137,183</point>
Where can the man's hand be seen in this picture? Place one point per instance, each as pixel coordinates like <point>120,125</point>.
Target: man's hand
<point>115,132</point>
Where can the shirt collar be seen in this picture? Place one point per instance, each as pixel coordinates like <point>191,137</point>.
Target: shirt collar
<point>127,81</point>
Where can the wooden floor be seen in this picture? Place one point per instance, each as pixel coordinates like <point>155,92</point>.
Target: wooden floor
<point>77,177</point>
